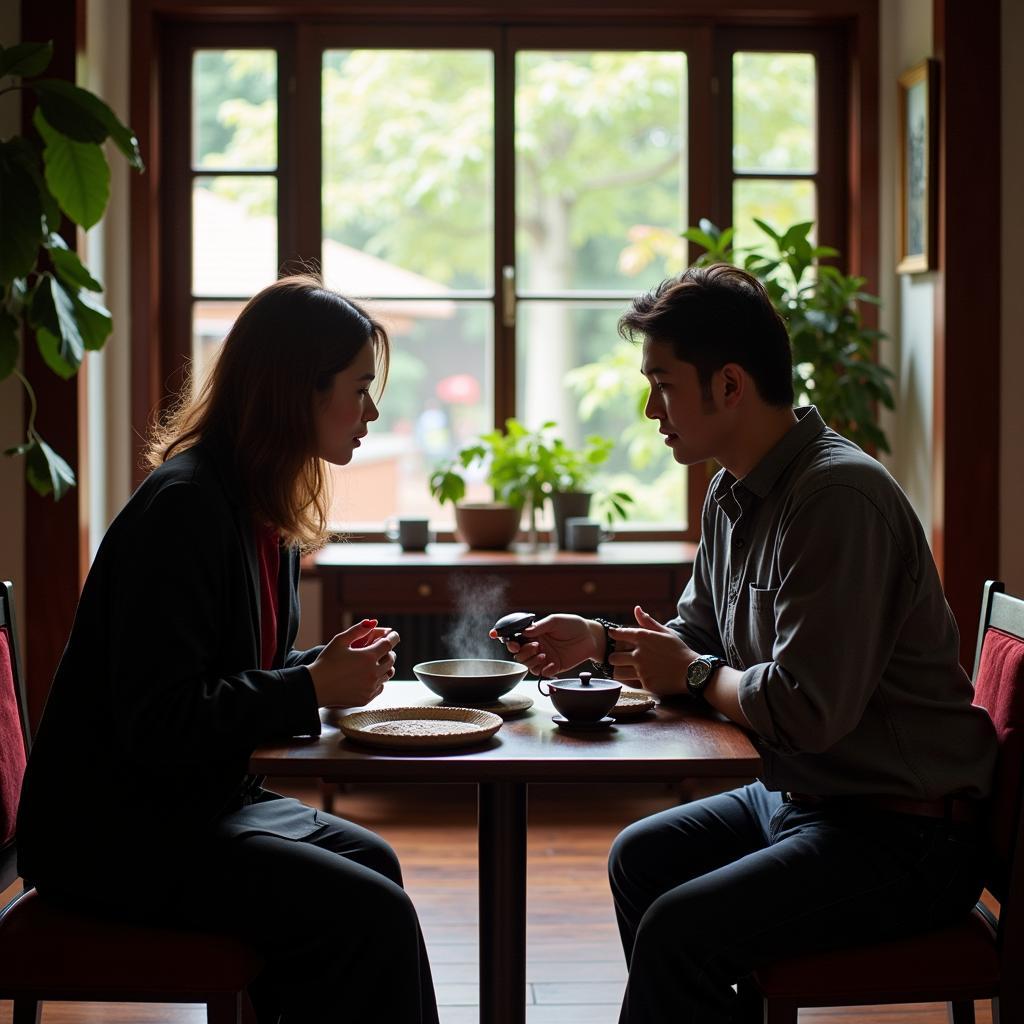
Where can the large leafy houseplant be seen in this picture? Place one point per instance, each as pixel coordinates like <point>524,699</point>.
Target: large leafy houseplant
<point>61,173</point>
<point>834,364</point>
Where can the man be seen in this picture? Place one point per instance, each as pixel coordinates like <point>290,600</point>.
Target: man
<point>814,618</point>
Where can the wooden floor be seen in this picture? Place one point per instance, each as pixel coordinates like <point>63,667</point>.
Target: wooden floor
<point>575,972</point>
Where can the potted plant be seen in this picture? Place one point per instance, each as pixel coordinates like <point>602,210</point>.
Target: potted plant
<point>834,365</point>
<point>488,525</point>
<point>572,470</point>
<point>58,174</point>
<point>523,468</point>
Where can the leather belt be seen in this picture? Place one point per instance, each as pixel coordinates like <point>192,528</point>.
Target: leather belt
<point>952,808</point>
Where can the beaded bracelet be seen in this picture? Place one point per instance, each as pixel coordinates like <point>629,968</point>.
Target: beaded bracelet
<point>606,668</point>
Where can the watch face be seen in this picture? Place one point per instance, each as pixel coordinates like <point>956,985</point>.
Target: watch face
<point>697,674</point>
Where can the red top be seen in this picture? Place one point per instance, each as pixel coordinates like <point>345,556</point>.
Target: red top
<point>268,554</point>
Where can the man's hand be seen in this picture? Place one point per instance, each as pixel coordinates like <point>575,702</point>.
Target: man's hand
<point>650,654</point>
<point>557,643</point>
<point>352,669</point>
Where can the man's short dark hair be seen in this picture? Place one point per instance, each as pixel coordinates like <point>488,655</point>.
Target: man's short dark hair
<point>717,315</point>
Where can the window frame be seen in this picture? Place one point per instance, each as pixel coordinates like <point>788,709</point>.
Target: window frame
<point>299,39</point>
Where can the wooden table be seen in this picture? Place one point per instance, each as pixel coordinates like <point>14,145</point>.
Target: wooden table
<point>675,743</point>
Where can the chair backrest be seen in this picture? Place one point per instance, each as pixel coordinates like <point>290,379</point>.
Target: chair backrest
<point>14,733</point>
<point>999,688</point>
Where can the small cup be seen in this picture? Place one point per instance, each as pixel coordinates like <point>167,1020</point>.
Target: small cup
<point>411,534</point>
<point>583,534</point>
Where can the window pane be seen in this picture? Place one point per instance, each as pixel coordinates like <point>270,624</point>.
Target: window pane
<point>408,150</point>
<point>439,395</point>
<point>774,112</point>
<point>600,156</point>
<point>211,322</point>
<point>573,368</point>
<point>234,109</point>
<point>234,235</point>
<point>780,204</point>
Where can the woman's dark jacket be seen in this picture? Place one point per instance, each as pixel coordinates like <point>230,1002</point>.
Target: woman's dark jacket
<point>157,703</point>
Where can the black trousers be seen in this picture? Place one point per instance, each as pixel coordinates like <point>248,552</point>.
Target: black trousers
<point>321,897</point>
<point>706,891</point>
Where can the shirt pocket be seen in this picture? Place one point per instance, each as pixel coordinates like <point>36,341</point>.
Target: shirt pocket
<point>760,625</point>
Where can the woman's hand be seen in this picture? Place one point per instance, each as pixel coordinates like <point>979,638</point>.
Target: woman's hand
<point>352,669</point>
<point>558,643</point>
<point>652,655</point>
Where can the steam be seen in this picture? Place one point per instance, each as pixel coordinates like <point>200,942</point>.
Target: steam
<point>479,602</point>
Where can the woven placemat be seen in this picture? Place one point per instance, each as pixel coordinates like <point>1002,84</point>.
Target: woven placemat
<point>419,728</point>
<point>633,704</point>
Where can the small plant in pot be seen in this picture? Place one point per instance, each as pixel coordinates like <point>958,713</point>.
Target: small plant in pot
<point>572,470</point>
<point>524,468</point>
<point>488,525</point>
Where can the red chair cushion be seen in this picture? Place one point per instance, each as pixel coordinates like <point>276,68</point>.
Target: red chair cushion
<point>960,960</point>
<point>49,952</point>
<point>999,688</point>
<point>12,742</point>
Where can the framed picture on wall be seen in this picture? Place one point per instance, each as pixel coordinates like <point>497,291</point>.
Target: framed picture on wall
<point>918,151</point>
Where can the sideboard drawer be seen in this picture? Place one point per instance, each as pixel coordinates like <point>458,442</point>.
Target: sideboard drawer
<point>580,587</point>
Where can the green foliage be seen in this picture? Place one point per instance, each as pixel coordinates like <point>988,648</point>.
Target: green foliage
<point>609,506</point>
<point>42,282</point>
<point>834,365</point>
<point>527,465</point>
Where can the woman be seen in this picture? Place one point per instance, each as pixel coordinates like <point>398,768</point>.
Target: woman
<point>136,800</point>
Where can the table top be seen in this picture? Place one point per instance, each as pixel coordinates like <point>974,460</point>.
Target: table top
<point>676,741</point>
<point>381,556</point>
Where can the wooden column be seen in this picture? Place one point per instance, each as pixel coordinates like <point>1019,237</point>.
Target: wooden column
<point>965,469</point>
<point>53,545</point>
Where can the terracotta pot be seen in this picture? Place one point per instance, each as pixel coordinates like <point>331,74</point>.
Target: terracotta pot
<point>565,505</point>
<point>491,527</point>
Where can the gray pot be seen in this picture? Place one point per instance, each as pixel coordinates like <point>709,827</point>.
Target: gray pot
<point>566,505</point>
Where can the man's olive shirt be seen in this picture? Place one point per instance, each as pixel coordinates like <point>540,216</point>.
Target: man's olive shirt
<point>814,578</point>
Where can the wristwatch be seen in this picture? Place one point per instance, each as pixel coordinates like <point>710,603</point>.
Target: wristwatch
<point>700,671</point>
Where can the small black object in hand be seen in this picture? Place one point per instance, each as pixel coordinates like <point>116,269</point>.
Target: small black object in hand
<point>511,626</point>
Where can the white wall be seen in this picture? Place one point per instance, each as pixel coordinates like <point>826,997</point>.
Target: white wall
<point>907,311</point>
<point>12,471</point>
<point>1011,498</point>
<point>105,71</point>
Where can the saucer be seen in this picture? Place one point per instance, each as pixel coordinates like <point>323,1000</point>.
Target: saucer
<point>509,706</point>
<point>589,726</point>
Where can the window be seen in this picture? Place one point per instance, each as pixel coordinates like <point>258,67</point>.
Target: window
<point>496,195</point>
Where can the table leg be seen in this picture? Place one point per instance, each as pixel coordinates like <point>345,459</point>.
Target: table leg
<point>502,851</point>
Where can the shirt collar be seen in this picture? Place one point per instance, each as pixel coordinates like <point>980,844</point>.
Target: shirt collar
<point>761,479</point>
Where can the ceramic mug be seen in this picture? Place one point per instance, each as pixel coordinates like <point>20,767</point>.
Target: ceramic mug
<point>583,534</point>
<point>411,534</point>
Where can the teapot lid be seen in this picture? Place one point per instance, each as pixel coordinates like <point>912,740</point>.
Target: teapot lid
<point>585,681</point>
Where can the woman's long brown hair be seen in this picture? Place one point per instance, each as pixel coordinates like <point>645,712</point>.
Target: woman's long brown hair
<point>256,407</point>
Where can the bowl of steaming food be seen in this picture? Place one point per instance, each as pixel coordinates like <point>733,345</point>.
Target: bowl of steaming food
<point>469,680</point>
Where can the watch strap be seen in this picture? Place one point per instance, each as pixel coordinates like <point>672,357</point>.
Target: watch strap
<point>713,663</point>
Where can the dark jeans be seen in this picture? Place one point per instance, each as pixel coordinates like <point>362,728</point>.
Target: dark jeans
<point>326,908</point>
<point>706,891</point>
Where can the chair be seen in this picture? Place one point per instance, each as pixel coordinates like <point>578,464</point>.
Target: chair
<point>979,958</point>
<point>49,953</point>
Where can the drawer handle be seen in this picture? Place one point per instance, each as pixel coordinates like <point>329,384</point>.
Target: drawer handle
<point>589,587</point>
<point>424,589</point>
